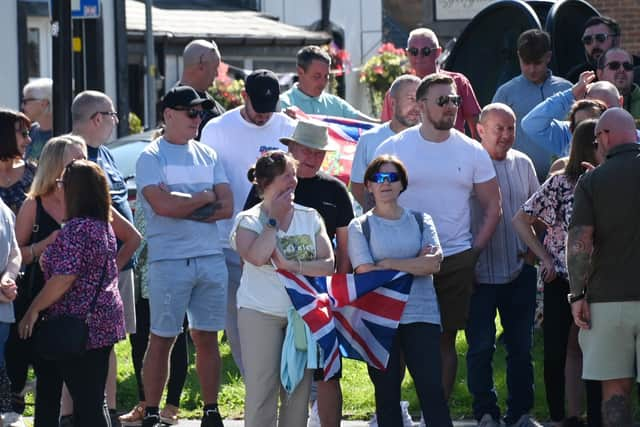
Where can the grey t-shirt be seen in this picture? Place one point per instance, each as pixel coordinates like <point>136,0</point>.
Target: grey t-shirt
<point>187,168</point>
<point>7,242</point>
<point>399,239</point>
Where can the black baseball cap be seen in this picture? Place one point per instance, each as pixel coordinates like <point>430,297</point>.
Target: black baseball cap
<point>184,97</point>
<point>263,89</point>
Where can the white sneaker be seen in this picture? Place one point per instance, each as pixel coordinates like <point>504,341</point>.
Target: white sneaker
<point>314,418</point>
<point>406,418</point>
<point>488,421</point>
<point>12,419</point>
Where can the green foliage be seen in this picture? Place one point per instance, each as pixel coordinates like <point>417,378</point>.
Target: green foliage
<point>135,124</point>
<point>381,70</point>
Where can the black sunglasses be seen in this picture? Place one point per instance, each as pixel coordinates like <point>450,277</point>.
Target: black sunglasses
<point>443,100</point>
<point>600,38</point>
<point>113,114</point>
<point>414,51</point>
<point>192,113</point>
<point>382,177</point>
<point>615,65</point>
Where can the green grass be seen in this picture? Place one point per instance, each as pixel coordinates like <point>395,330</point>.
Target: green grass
<point>356,387</point>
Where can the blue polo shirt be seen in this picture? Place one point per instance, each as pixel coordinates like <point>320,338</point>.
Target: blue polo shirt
<point>326,103</point>
<point>117,185</point>
<point>522,95</point>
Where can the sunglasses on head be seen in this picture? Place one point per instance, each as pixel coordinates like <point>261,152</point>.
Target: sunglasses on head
<point>425,51</point>
<point>600,38</point>
<point>192,113</point>
<point>381,177</point>
<point>615,65</point>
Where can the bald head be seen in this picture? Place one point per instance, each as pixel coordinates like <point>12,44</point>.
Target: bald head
<point>606,92</point>
<point>618,126</point>
<point>199,51</point>
<point>494,108</point>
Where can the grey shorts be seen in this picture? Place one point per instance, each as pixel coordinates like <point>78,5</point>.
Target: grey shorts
<point>125,286</point>
<point>611,347</point>
<point>195,286</point>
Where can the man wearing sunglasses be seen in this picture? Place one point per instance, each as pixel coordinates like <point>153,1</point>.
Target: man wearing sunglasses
<point>183,192</point>
<point>534,84</point>
<point>616,66</point>
<point>240,136</point>
<point>599,34</point>
<point>201,59</point>
<point>423,51</point>
<point>37,104</point>
<point>445,168</point>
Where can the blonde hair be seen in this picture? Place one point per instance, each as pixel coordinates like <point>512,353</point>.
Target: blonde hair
<point>52,164</point>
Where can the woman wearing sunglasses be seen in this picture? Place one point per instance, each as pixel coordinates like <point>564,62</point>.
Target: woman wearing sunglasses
<point>15,173</point>
<point>392,237</point>
<point>275,233</point>
<point>551,206</point>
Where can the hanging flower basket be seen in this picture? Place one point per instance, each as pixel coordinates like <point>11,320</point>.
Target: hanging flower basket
<point>381,70</point>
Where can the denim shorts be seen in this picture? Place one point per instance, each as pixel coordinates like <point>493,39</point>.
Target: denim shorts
<point>195,286</point>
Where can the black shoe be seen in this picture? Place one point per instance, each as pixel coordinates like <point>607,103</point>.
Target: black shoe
<point>113,416</point>
<point>151,421</point>
<point>573,422</point>
<point>66,421</point>
<point>211,418</point>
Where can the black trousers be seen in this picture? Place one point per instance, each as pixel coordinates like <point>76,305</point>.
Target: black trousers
<point>85,378</point>
<point>419,343</point>
<point>179,361</point>
<point>556,326</point>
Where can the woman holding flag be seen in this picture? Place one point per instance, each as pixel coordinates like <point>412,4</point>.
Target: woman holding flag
<point>389,237</point>
<point>275,234</point>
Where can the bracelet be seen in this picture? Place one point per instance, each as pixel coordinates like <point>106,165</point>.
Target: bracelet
<point>299,266</point>
<point>33,252</point>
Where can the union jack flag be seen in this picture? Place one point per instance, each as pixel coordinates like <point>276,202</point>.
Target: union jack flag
<point>356,315</point>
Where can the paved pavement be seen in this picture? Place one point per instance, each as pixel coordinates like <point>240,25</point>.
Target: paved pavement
<point>240,423</point>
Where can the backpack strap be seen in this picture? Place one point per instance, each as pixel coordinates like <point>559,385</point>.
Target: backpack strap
<point>364,224</point>
<point>419,216</point>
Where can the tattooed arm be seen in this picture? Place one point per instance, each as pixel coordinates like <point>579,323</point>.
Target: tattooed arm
<point>579,248</point>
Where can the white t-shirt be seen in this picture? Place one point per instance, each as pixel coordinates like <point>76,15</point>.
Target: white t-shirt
<point>441,179</point>
<point>365,149</point>
<point>239,144</point>
<point>260,288</point>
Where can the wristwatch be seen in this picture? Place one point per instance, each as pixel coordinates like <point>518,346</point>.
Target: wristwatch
<point>573,298</point>
<point>271,223</point>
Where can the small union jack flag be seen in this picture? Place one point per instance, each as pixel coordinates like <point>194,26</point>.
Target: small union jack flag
<point>356,315</point>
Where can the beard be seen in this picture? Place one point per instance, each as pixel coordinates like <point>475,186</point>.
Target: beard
<point>444,123</point>
<point>406,121</point>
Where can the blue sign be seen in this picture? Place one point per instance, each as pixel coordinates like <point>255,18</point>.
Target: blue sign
<point>81,9</point>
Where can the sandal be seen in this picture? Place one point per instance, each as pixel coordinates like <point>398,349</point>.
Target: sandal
<point>169,414</point>
<point>133,417</point>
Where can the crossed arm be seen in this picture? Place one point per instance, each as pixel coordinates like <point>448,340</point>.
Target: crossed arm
<point>182,205</point>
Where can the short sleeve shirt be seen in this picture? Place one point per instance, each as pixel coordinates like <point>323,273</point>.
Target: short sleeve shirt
<point>365,150</point>
<point>187,168</point>
<point>86,248</point>
<point>326,103</point>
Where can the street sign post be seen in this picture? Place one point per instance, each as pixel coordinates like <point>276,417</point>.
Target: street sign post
<point>84,9</point>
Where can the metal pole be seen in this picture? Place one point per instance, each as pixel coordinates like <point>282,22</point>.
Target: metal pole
<point>122,67</point>
<point>151,68</point>
<point>62,66</point>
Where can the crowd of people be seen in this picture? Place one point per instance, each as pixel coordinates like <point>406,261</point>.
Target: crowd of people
<point>485,207</point>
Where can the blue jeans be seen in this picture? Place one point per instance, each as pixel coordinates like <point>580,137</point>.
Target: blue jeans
<point>516,302</point>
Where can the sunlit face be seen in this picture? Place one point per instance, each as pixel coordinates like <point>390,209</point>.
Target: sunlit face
<point>621,77</point>
<point>423,65</point>
<point>285,182</point>
<point>440,117</point>
<point>498,133</point>
<point>385,191</point>
<point>22,137</point>
<point>105,120</point>
<point>405,108</point>
<point>314,79</point>
<point>309,159</point>
<point>597,48</point>
<point>33,107</point>
<point>209,65</point>
<point>535,72</point>
<point>184,122</point>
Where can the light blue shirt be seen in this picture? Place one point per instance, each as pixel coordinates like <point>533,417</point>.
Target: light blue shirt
<point>7,241</point>
<point>188,168</point>
<point>522,95</point>
<point>326,103</point>
<point>366,149</point>
<point>399,238</point>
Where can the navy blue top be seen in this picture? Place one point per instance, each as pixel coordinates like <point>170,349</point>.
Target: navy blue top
<point>117,185</point>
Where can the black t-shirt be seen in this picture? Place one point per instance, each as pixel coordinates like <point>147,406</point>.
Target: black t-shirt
<point>324,193</point>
